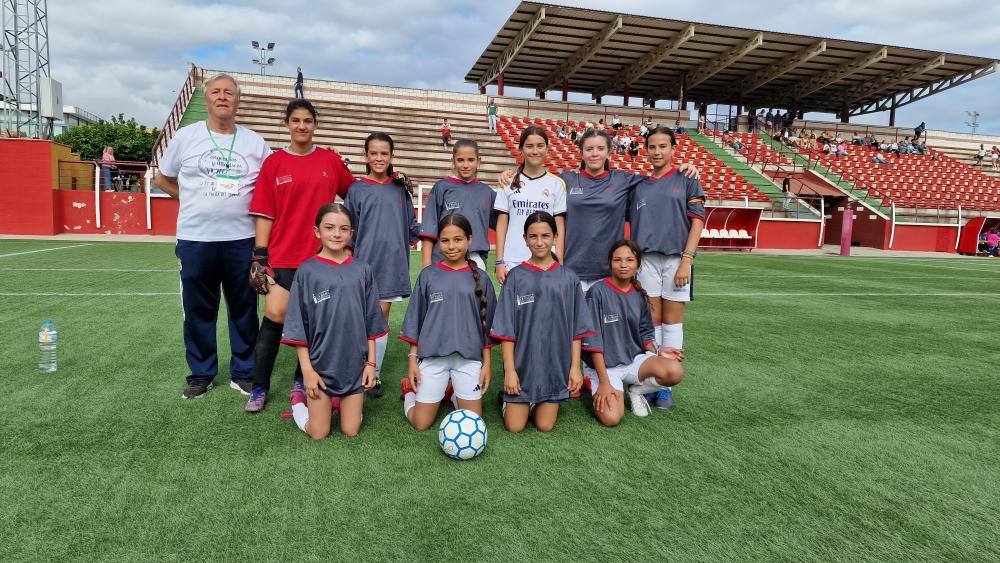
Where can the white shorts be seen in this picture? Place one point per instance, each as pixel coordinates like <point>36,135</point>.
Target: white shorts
<point>619,375</point>
<point>396,299</point>
<point>435,373</point>
<point>586,285</point>
<point>657,277</point>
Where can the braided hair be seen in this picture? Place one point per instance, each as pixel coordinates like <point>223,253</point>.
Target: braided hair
<point>590,134</point>
<point>398,178</point>
<point>528,131</point>
<point>634,247</point>
<point>459,220</point>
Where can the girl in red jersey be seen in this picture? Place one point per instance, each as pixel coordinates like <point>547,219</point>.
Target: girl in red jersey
<point>293,183</point>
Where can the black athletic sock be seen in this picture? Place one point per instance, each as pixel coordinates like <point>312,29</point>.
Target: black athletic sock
<point>268,344</point>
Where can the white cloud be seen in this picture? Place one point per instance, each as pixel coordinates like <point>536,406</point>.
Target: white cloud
<point>118,56</point>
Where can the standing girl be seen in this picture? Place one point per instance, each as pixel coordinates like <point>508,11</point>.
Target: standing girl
<point>667,214</point>
<point>382,207</point>
<point>292,184</point>
<point>623,350</point>
<point>446,325</point>
<point>464,194</point>
<point>532,189</point>
<point>333,320</point>
<point>541,319</point>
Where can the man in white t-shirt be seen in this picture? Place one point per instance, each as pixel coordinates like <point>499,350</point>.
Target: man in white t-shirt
<point>211,167</point>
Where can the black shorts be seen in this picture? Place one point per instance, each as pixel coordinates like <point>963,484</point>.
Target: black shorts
<point>284,277</point>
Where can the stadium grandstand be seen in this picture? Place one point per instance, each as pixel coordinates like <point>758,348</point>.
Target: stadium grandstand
<point>780,195</point>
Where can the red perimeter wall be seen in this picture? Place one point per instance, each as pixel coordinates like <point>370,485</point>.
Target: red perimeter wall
<point>27,197</point>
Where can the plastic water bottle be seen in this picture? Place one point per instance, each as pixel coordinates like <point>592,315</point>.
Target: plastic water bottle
<point>47,337</point>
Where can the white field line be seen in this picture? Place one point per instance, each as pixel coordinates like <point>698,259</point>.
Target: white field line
<point>114,270</point>
<point>43,250</point>
<point>123,294</point>
<point>716,275</point>
<point>847,294</point>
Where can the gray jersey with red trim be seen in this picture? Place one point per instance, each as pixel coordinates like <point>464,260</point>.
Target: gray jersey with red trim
<point>596,207</point>
<point>384,228</point>
<point>444,316</point>
<point>473,200</point>
<point>542,312</point>
<point>624,323</point>
<point>334,310</point>
<point>661,212</point>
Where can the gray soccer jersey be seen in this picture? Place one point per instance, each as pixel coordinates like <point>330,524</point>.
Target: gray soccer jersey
<point>623,320</point>
<point>443,316</point>
<point>474,200</point>
<point>542,312</point>
<point>662,209</point>
<point>596,207</point>
<point>384,228</point>
<point>334,311</point>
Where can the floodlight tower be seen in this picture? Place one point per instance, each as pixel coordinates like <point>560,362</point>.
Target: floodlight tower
<point>25,50</point>
<point>973,120</point>
<point>263,51</point>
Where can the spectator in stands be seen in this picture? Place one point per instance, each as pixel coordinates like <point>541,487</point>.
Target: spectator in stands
<point>561,132</point>
<point>211,167</point>
<point>633,149</point>
<point>678,128</point>
<point>616,123</point>
<point>588,125</point>
<point>769,120</point>
<point>829,148</point>
<point>918,147</point>
<point>919,130</point>
<point>825,137</point>
<point>841,149</point>
<point>643,131</point>
<point>491,114</point>
<point>107,157</point>
<point>982,248</point>
<point>601,126</point>
<point>446,134</point>
<point>980,155</point>
<point>573,134</point>
<point>856,139</point>
<point>626,142</point>
<point>702,120</point>
<point>298,83</point>
<point>616,143</point>
<point>649,124</point>
<point>995,156</point>
<point>879,158</point>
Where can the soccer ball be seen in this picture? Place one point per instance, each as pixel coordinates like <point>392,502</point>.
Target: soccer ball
<point>462,434</point>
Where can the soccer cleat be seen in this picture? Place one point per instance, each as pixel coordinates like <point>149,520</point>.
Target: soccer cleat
<point>244,386</point>
<point>574,394</point>
<point>258,398</point>
<point>587,385</point>
<point>196,389</point>
<point>665,399</point>
<point>298,393</point>
<point>640,407</point>
<point>334,406</point>
<point>375,392</point>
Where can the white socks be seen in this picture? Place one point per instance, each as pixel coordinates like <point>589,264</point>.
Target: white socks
<point>380,345</point>
<point>673,335</point>
<point>648,385</point>
<point>658,335</point>
<point>300,413</point>
<point>409,400</point>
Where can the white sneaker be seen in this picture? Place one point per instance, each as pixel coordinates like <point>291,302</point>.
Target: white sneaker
<point>640,407</point>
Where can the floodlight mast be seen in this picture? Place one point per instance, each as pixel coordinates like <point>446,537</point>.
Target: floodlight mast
<point>262,49</point>
<point>25,51</point>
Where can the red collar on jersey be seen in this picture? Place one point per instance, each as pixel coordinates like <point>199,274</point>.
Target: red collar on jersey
<point>334,262</point>
<point>461,181</point>
<point>668,173</point>
<point>370,181</point>
<point>448,268</point>
<point>589,175</point>
<point>531,266</point>
<point>612,285</point>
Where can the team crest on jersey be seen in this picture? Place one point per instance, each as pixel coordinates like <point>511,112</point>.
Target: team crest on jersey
<point>452,205</point>
<point>525,299</point>
<point>612,318</point>
<point>576,191</point>
<point>437,297</point>
<point>545,192</point>
<point>286,179</point>
<point>321,296</point>
<point>640,204</point>
<point>325,175</point>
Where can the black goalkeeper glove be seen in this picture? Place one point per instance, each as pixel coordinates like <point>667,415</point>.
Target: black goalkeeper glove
<point>261,273</point>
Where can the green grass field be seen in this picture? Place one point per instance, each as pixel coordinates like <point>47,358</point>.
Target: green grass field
<point>834,409</point>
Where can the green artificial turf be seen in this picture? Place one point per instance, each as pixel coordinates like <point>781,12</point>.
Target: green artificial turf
<point>834,409</point>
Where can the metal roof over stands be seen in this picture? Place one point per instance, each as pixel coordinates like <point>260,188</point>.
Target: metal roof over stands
<point>550,47</point>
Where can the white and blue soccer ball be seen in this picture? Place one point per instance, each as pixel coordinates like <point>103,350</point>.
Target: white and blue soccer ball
<point>462,434</point>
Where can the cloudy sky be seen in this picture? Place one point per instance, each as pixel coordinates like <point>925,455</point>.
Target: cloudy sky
<point>131,57</point>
